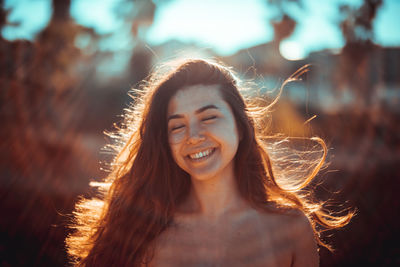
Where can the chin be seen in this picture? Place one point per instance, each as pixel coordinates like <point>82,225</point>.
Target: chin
<point>209,174</point>
<point>202,177</point>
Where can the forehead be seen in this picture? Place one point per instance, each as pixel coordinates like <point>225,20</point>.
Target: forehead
<point>189,99</point>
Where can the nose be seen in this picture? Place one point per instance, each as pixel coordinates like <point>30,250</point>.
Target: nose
<point>195,134</point>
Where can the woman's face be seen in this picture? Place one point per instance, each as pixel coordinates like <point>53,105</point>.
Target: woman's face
<point>202,132</point>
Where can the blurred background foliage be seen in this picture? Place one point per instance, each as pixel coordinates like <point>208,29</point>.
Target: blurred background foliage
<point>66,81</point>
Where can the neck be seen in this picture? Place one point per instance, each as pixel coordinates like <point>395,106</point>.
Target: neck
<point>215,196</point>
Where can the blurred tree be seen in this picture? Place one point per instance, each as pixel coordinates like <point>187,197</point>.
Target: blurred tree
<point>42,162</point>
<point>141,60</point>
<point>367,146</point>
<point>366,142</point>
<point>143,15</point>
<point>267,58</point>
<point>283,22</point>
<point>359,68</point>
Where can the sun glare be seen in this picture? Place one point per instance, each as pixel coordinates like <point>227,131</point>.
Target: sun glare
<point>226,26</point>
<point>292,50</point>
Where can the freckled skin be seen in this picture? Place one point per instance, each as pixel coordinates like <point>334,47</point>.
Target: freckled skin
<point>212,128</point>
<point>244,238</point>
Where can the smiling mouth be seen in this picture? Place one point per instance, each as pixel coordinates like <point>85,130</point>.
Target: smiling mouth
<point>202,154</point>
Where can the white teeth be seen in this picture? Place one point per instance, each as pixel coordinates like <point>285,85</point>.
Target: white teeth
<point>201,154</point>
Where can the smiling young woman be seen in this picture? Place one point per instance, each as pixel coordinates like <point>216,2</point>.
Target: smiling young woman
<point>193,184</point>
<point>202,132</point>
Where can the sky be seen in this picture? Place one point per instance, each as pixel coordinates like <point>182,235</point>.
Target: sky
<point>225,25</point>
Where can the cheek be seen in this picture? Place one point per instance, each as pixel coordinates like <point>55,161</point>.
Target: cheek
<point>176,138</point>
<point>175,153</point>
<point>227,134</point>
<point>173,149</point>
<point>233,142</point>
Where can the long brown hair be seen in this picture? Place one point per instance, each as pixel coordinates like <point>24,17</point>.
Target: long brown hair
<point>145,185</point>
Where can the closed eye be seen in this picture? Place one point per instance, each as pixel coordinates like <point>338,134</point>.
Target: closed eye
<point>209,118</point>
<point>176,128</point>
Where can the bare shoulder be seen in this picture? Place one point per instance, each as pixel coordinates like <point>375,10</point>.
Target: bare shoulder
<point>297,222</point>
<point>294,229</point>
<point>291,222</point>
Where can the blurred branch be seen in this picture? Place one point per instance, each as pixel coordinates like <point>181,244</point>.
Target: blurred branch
<point>358,66</point>
<point>357,25</point>
<point>283,22</point>
<point>4,13</point>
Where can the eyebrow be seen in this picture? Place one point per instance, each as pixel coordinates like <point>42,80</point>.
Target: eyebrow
<point>200,110</point>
